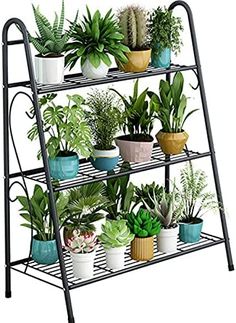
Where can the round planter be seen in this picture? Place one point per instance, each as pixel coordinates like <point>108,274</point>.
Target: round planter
<point>83,264</point>
<point>98,225</point>
<point>167,240</point>
<point>62,168</point>
<point>135,151</point>
<point>44,252</point>
<point>105,160</point>
<point>115,258</point>
<point>190,232</point>
<point>161,60</point>
<point>142,249</point>
<point>92,72</point>
<point>138,61</point>
<point>49,70</point>
<point>172,143</point>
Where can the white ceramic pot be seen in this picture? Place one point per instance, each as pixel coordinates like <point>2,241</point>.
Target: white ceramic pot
<point>167,240</point>
<point>98,225</point>
<point>83,264</point>
<point>92,72</point>
<point>49,70</point>
<point>115,258</point>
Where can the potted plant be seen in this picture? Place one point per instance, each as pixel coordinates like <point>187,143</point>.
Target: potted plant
<point>35,211</point>
<point>170,109</point>
<point>134,26</point>
<point>136,146</point>
<point>82,247</point>
<point>114,238</point>
<point>195,203</point>
<point>50,44</point>
<point>144,226</point>
<point>143,194</point>
<point>165,31</point>
<point>94,40</point>
<point>104,118</point>
<point>68,132</point>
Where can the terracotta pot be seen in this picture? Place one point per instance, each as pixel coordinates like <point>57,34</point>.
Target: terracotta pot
<point>142,248</point>
<point>134,151</point>
<point>172,143</point>
<point>138,61</point>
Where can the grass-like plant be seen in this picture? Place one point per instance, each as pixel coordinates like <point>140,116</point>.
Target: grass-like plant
<point>51,39</point>
<point>95,38</point>
<point>104,118</point>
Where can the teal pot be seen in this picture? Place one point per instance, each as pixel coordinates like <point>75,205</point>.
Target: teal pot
<point>44,252</point>
<point>190,232</point>
<point>105,160</point>
<point>64,167</point>
<point>162,59</point>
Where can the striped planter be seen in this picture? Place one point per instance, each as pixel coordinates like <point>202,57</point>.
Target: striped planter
<point>142,249</point>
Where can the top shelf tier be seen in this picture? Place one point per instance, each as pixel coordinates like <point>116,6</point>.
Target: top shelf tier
<point>75,81</point>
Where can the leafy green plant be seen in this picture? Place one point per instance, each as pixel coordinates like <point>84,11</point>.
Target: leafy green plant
<point>165,30</point>
<point>65,126</point>
<point>133,24</point>
<point>94,39</point>
<point>51,40</point>
<point>82,242</point>
<point>143,193</point>
<point>35,211</point>
<point>171,105</point>
<point>104,118</point>
<point>115,234</point>
<point>138,115</point>
<point>143,224</point>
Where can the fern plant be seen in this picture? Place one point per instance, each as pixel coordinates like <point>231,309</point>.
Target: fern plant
<point>51,39</point>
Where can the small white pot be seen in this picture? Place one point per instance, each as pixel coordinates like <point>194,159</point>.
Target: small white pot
<point>83,264</point>
<point>49,70</point>
<point>92,72</point>
<point>167,240</point>
<point>115,258</point>
<point>106,153</point>
<point>98,225</point>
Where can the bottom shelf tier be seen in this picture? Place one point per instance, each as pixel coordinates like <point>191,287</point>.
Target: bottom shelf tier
<point>51,274</point>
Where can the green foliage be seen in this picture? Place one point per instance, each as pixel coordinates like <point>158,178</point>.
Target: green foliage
<point>50,40</point>
<point>143,193</point>
<point>104,118</point>
<point>133,24</point>
<point>65,126</point>
<point>115,234</point>
<point>194,200</point>
<point>94,39</point>
<point>143,224</point>
<point>139,114</point>
<point>35,210</point>
<point>171,105</point>
<point>165,30</point>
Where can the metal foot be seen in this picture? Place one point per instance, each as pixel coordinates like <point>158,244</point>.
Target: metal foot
<point>8,294</point>
<point>71,320</point>
<point>231,267</point>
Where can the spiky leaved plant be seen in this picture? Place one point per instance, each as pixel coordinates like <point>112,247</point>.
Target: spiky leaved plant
<point>133,25</point>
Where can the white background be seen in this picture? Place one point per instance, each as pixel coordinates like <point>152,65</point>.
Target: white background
<point>194,288</point>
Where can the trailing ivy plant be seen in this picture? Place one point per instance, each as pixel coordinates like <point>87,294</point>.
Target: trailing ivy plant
<point>65,127</point>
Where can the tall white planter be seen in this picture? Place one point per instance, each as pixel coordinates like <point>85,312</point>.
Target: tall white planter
<point>92,72</point>
<point>98,225</point>
<point>49,70</point>
<point>167,240</point>
<point>115,258</point>
<point>83,264</point>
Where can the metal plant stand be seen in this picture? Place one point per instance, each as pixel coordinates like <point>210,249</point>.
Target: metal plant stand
<point>60,274</point>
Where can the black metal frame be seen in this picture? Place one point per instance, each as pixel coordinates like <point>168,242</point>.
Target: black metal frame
<point>158,160</point>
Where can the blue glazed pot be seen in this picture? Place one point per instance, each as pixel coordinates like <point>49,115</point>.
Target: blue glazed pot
<point>190,232</point>
<point>161,60</point>
<point>62,168</point>
<point>44,252</point>
<point>105,160</point>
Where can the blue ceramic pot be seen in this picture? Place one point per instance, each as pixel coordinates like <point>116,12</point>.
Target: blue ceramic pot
<point>190,232</point>
<point>44,252</point>
<point>62,168</point>
<point>105,160</point>
<point>162,59</point>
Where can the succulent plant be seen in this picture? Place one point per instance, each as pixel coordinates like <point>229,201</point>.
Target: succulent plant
<point>115,234</point>
<point>145,191</point>
<point>143,224</point>
<point>134,26</point>
<point>82,243</point>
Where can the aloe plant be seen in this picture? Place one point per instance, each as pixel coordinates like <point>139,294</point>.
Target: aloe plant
<point>51,39</point>
<point>144,192</point>
<point>115,234</point>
